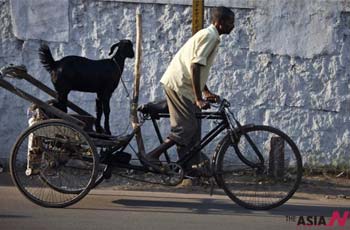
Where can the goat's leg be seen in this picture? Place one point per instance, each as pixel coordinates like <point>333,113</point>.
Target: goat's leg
<point>99,108</point>
<point>106,111</point>
<point>62,101</point>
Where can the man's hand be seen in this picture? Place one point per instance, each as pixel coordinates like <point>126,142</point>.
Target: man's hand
<point>202,104</point>
<point>211,97</point>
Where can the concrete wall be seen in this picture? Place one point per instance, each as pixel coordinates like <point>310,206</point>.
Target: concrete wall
<point>286,64</point>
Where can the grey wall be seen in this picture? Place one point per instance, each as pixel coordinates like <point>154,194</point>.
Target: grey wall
<point>285,64</point>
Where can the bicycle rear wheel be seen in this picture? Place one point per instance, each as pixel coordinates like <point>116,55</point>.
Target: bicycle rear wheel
<point>53,163</point>
<point>273,181</point>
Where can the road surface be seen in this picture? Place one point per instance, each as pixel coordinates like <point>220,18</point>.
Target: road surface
<point>111,209</point>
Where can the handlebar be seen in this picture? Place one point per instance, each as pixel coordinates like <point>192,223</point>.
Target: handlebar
<point>222,103</point>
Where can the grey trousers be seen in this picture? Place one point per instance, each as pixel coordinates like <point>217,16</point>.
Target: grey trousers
<point>185,127</point>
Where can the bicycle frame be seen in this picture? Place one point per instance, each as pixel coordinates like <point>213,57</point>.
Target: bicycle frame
<point>226,119</point>
<point>204,141</point>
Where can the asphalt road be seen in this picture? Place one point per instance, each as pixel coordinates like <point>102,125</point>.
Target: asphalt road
<point>110,209</point>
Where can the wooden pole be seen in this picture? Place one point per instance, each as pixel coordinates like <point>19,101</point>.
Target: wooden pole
<point>134,102</point>
<point>197,15</point>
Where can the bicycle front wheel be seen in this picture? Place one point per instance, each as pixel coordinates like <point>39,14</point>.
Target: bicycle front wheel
<point>260,169</point>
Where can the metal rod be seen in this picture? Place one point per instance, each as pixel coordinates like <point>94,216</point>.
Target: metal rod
<point>51,92</point>
<point>206,140</point>
<point>7,85</point>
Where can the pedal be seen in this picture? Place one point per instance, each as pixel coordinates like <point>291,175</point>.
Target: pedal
<point>201,164</point>
<point>203,169</point>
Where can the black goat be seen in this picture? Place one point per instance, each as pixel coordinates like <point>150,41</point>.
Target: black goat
<point>82,74</point>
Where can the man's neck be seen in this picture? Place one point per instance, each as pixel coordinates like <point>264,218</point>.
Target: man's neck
<point>216,25</point>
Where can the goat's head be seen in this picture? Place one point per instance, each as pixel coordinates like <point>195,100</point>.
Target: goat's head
<point>125,46</point>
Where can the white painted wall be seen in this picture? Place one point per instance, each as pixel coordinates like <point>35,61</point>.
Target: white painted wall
<point>300,88</point>
<point>40,19</point>
<point>341,5</point>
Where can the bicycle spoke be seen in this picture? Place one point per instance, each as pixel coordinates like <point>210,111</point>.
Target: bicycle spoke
<point>265,185</point>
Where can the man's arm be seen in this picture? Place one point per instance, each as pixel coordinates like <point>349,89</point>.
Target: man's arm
<point>204,47</point>
<point>195,72</point>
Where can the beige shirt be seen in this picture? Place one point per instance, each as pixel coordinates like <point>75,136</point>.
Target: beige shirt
<point>200,48</point>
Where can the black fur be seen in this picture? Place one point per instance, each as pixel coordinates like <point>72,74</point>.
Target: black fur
<point>82,74</point>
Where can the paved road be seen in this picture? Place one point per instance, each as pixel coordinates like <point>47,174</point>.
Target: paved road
<point>109,209</point>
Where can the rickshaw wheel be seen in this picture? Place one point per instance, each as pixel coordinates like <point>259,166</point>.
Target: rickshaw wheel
<point>54,163</point>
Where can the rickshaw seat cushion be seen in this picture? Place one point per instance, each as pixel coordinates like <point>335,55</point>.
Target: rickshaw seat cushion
<point>154,108</point>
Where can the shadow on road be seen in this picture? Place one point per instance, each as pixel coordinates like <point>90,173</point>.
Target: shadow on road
<point>211,206</point>
<point>5,179</point>
<point>207,206</point>
<point>13,216</point>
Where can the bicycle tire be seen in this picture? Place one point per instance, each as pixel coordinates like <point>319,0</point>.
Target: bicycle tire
<point>63,169</point>
<point>267,188</point>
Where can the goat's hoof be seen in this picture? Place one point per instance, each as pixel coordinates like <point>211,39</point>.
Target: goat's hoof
<point>108,132</point>
<point>100,130</point>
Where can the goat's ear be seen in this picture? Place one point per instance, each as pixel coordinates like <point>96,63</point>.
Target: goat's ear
<point>113,48</point>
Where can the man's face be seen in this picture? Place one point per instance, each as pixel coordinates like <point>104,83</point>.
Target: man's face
<point>227,25</point>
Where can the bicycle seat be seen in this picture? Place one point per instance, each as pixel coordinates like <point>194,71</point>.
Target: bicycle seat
<point>154,108</point>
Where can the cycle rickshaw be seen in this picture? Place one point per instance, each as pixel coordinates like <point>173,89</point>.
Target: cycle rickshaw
<point>57,161</point>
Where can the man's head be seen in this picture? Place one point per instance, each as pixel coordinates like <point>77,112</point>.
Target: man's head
<point>223,19</point>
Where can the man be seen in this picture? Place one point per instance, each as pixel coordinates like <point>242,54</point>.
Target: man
<point>185,80</point>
